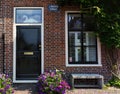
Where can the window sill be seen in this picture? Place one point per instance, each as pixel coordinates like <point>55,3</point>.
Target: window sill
<point>84,65</point>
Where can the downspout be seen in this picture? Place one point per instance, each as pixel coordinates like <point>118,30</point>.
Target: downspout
<point>2,37</point>
<point>3,48</point>
<point>3,33</point>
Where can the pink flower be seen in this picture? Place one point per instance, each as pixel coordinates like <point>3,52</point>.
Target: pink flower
<point>52,74</point>
<point>60,86</point>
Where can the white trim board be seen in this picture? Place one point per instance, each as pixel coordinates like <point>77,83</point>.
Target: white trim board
<point>14,44</point>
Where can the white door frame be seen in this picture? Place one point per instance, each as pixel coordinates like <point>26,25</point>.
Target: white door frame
<point>14,44</point>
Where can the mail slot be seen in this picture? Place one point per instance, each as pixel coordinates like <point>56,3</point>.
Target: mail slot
<point>28,53</point>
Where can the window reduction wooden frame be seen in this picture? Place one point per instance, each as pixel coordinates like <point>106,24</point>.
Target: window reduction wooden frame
<point>67,41</point>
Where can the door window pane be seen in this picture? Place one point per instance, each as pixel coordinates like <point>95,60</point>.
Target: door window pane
<point>28,16</point>
<point>28,38</point>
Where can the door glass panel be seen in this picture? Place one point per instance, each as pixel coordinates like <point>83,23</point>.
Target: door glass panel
<point>29,16</point>
<point>28,39</point>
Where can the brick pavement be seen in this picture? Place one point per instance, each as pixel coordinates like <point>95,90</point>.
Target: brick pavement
<point>31,89</point>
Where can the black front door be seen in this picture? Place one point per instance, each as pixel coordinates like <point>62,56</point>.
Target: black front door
<point>28,52</point>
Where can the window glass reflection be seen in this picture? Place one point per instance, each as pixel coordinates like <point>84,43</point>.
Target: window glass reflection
<point>28,16</point>
<point>74,21</point>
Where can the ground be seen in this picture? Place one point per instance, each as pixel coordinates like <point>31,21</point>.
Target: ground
<point>31,89</point>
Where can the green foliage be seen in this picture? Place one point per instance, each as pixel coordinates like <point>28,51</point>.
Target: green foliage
<point>114,82</point>
<point>77,2</point>
<point>107,14</point>
<point>109,29</point>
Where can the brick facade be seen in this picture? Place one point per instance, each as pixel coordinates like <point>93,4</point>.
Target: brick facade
<point>54,38</point>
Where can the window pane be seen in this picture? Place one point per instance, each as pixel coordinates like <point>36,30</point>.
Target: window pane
<point>89,22</point>
<point>71,39</point>
<point>74,21</point>
<point>29,16</point>
<point>81,51</point>
<point>74,54</point>
<point>90,54</point>
<point>74,38</point>
<point>89,38</point>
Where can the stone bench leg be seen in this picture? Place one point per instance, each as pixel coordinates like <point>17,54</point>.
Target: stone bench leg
<point>100,82</point>
<point>72,82</point>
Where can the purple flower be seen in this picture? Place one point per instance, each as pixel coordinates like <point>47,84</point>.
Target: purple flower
<point>43,77</point>
<point>7,87</point>
<point>1,90</point>
<point>52,82</point>
<point>5,84</point>
<point>60,87</point>
<point>65,84</point>
<point>6,76</point>
<point>51,87</point>
<point>57,89</point>
<point>63,91</point>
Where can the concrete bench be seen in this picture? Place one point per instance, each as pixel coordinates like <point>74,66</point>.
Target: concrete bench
<point>98,77</point>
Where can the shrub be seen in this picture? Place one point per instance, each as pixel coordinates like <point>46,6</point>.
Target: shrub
<point>52,83</point>
<point>5,84</point>
<point>115,82</point>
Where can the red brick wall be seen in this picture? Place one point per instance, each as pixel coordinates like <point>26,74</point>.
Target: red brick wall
<point>54,38</point>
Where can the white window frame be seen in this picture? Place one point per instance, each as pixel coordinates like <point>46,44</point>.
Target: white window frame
<point>14,43</point>
<point>66,46</point>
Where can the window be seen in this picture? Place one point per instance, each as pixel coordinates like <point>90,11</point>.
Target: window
<point>82,46</point>
<point>27,15</point>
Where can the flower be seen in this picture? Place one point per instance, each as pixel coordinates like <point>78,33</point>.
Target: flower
<point>5,84</point>
<point>52,74</point>
<point>7,87</point>
<point>1,90</point>
<point>52,83</point>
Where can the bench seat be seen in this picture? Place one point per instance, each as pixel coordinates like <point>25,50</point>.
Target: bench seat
<point>98,77</point>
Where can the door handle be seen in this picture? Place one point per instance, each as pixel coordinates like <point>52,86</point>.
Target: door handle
<point>39,47</point>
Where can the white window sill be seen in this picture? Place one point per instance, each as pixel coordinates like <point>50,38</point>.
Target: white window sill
<point>83,65</point>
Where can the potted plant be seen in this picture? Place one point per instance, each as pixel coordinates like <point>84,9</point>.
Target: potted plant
<point>5,85</point>
<point>52,83</point>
